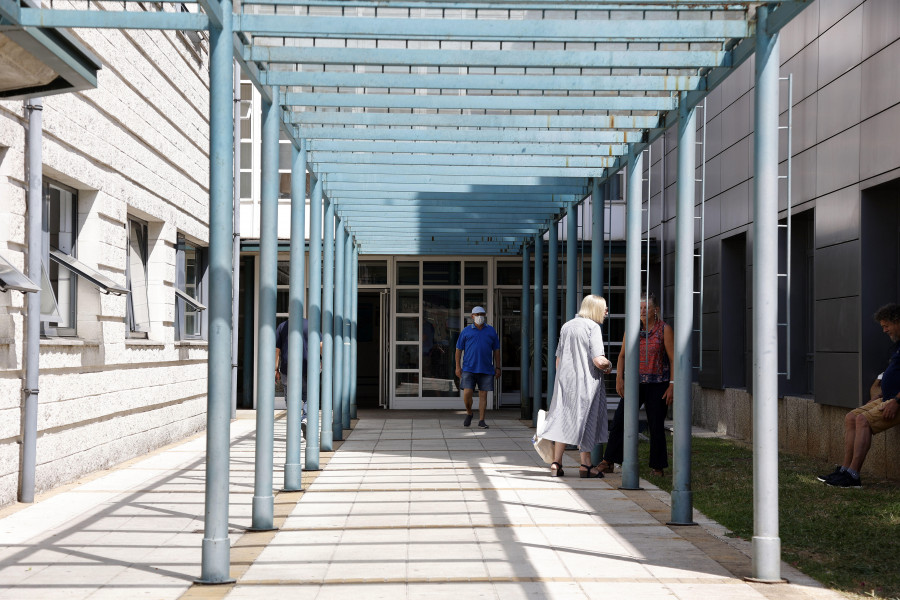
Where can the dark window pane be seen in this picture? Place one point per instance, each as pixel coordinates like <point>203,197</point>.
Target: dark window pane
<point>440,273</point>
<point>616,328</point>
<point>616,273</point>
<point>509,273</point>
<point>440,330</point>
<point>511,381</point>
<point>408,301</point>
<point>284,272</point>
<point>407,273</point>
<point>474,298</point>
<point>407,384</point>
<point>407,329</point>
<point>408,356</point>
<point>476,273</point>
<point>282,302</point>
<point>373,272</point>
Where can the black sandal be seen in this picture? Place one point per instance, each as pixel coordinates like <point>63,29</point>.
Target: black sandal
<point>588,473</point>
<point>559,470</point>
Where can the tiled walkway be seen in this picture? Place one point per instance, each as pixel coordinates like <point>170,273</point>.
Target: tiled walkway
<point>415,507</point>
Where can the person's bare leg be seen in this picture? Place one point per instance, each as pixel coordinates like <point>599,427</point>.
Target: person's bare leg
<point>862,444</point>
<point>467,399</point>
<point>482,404</point>
<point>849,439</point>
<point>558,449</point>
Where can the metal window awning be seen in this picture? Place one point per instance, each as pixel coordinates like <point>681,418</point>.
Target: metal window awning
<point>40,61</point>
<point>13,279</point>
<point>102,282</point>
<point>190,300</point>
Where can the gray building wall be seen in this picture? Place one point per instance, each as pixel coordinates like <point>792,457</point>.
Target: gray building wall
<point>844,58</point>
<point>137,146</point>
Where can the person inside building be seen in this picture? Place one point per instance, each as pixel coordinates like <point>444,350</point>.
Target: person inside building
<point>577,412</point>
<point>281,363</point>
<point>477,363</point>
<point>880,414</point>
<point>655,390</point>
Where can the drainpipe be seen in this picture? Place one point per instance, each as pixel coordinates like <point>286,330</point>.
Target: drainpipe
<point>33,161</point>
<point>236,237</point>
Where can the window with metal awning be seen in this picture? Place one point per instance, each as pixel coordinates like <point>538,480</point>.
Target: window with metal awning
<point>13,279</point>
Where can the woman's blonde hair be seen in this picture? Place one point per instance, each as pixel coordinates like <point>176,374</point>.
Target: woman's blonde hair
<point>593,308</point>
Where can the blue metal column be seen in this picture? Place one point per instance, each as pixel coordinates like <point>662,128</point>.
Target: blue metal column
<point>314,315</point>
<point>349,282</point>
<point>597,260</point>
<point>571,262</point>
<point>683,369</point>
<point>536,388</point>
<point>632,319</point>
<point>263,498</point>
<point>216,546</point>
<point>766,541</point>
<point>293,469</point>
<point>524,371</point>
<point>354,311</point>
<point>337,424</point>
<point>552,306</point>
<point>328,327</point>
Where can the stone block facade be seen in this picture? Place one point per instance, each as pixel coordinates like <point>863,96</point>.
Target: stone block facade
<point>134,147</point>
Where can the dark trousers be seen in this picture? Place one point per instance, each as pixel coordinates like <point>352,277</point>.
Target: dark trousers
<point>650,397</point>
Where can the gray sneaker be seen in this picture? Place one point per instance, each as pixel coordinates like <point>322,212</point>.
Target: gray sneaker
<point>468,421</point>
<point>483,425</point>
<point>844,480</point>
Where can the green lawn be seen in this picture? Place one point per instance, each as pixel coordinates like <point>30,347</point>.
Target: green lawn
<point>847,539</point>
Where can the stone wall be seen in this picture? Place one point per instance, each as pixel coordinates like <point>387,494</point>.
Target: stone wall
<point>137,146</point>
<point>804,427</point>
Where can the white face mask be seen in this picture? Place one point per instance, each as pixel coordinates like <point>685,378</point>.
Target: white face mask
<point>479,320</point>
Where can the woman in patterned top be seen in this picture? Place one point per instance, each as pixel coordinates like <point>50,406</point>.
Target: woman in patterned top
<point>577,413</point>
<point>655,391</point>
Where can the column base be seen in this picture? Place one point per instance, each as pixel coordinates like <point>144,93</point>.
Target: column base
<point>215,563</point>
<point>263,513</point>
<point>682,508</point>
<point>766,553</point>
<point>293,477</point>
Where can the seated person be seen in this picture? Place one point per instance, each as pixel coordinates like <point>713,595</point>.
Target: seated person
<point>880,414</point>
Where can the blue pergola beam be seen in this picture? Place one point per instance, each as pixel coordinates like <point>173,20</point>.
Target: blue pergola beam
<point>468,148</point>
<point>476,120</point>
<point>448,81</point>
<point>540,182</point>
<point>569,59</point>
<point>522,136</point>
<point>559,162</point>
<point>119,19</point>
<point>642,5</point>
<point>442,204</point>
<point>543,30</point>
<point>326,168</point>
<point>472,102</point>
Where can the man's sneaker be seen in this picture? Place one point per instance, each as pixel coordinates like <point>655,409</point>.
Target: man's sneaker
<point>483,425</point>
<point>468,421</point>
<point>829,476</point>
<point>844,480</point>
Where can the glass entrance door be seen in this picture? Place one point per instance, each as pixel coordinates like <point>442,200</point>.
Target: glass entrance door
<point>432,300</point>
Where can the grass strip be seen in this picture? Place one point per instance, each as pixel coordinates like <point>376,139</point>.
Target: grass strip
<point>848,539</point>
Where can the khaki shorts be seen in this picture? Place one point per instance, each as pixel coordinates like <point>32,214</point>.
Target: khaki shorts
<point>873,415</point>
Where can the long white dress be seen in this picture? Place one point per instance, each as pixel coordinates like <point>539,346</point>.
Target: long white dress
<point>577,413</point>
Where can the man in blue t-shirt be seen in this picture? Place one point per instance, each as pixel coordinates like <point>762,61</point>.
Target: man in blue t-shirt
<point>880,414</point>
<point>476,346</point>
<point>281,363</point>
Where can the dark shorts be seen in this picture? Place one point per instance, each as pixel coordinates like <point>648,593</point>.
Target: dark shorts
<point>485,381</point>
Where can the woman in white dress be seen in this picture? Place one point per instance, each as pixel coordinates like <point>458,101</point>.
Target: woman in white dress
<point>577,413</point>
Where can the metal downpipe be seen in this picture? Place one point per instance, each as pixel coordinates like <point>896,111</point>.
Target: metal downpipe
<point>236,237</point>
<point>216,545</point>
<point>598,226</point>
<point>337,424</point>
<point>683,369</point>
<point>571,262</point>
<point>630,479</point>
<point>524,371</point>
<point>348,316</point>
<point>552,307</point>
<point>293,468</point>
<point>263,497</point>
<point>766,543</point>
<point>32,357</point>
<point>314,314</point>
<point>537,391</point>
<point>354,311</point>
<point>327,443</point>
